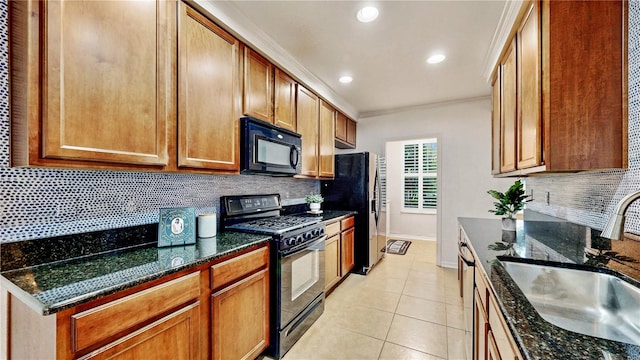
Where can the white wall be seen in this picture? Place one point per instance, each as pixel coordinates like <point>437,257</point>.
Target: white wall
<point>404,225</point>
<point>464,137</point>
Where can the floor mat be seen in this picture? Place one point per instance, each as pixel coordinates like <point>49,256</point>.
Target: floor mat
<point>397,247</point>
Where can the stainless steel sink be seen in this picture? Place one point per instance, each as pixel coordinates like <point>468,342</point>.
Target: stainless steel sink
<point>582,301</point>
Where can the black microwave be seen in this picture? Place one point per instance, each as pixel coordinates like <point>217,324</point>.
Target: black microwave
<point>268,149</point>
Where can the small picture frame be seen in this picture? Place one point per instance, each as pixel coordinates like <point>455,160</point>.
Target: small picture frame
<point>177,226</point>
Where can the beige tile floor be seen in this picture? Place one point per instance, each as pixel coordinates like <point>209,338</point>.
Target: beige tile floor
<point>406,308</point>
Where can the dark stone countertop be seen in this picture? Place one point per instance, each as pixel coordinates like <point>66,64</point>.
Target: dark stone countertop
<point>547,240</point>
<point>54,286</point>
<point>329,216</point>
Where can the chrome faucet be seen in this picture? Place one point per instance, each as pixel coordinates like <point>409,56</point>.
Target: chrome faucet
<point>615,226</point>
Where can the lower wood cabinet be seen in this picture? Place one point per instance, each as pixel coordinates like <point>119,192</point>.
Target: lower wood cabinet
<point>217,310</point>
<point>240,309</point>
<point>339,255</point>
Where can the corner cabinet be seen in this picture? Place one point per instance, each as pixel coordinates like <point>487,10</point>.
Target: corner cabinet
<point>88,88</point>
<point>561,92</point>
<point>209,94</point>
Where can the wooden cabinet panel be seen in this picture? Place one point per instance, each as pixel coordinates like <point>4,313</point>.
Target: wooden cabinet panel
<point>106,90</point>
<point>172,337</point>
<point>332,229</point>
<point>326,140</point>
<point>496,94</point>
<point>341,127</point>
<point>503,341</point>
<point>351,133</point>
<point>508,111</point>
<point>492,348</point>
<point>238,267</point>
<point>347,223</point>
<point>347,255</point>
<point>94,325</point>
<point>258,86</point>
<point>529,128</point>
<point>481,327</point>
<point>307,108</point>
<point>209,94</point>
<point>241,318</point>
<point>332,262</point>
<point>285,101</point>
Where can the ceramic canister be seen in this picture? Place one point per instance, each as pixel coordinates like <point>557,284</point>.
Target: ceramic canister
<point>207,225</point>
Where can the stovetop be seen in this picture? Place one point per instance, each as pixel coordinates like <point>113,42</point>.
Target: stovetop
<point>276,225</point>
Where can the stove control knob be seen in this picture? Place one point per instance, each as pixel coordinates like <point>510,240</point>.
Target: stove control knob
<point>317,232</point>
<point>308,235</point>
<point>290,241</point>
<point>299,239</point>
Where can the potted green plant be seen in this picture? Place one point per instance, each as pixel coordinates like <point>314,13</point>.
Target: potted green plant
<point>509,203</point>
<point>314,201</point>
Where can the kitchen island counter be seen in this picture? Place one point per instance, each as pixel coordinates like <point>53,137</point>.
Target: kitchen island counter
<point>546,240</point>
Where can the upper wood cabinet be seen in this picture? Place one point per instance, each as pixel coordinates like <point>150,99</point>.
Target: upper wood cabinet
<point>326,140</point>
<point>345,132</point>
<point>307,109</point>
<point>209,94</point>
<point>496,91</point>
<point>570,88</point>
<point>284,100</point>
<point>258,86</point>
<point>89,86</point>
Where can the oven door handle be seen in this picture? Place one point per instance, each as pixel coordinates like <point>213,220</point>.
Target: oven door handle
<point>302,247</point>
<point>461,254</point>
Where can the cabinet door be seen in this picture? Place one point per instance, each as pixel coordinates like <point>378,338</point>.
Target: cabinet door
<point>326,140</point>
<point>208,94</point>
<point>173,337</point>
<point>241,318</point>
<point>347,243</point>
<point>351,132</point>
<point>307,122</point>
<point>529,141</point>
<point>106,89</point>
<point>492,348</point>
<point>332,261</point>
<point>508,111</point>
<point>481,327</point>
<point>285,101</point>
<point>258,85</point>
<point>341,127</point>
<point>495,122</point>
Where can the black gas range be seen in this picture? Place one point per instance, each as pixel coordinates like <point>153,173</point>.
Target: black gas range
<point>297,262</point>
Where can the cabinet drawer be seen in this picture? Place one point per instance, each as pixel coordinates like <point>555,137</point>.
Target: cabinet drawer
<point>332,229</point>
<point>482,286</point>
<point>97,324</point>
<point>347,223</point>
<point>234,269</point>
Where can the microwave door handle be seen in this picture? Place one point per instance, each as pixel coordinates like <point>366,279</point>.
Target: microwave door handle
<point>294,156</point>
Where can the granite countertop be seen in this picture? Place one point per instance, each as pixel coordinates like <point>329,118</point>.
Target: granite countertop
<point>329,216</point>
<point>543,239</point>
<point>50,287</point>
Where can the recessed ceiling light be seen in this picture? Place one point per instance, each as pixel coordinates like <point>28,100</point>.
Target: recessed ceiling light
<point>345,79</point>
<point>434,59</point>
<point>367,14</point>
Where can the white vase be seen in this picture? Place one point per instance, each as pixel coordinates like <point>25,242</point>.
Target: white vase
<point>315,207</point>
<point>508,224</point>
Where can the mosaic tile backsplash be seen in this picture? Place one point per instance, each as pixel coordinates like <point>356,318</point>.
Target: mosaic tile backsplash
<point>40,203</point>
<point>589,198</point>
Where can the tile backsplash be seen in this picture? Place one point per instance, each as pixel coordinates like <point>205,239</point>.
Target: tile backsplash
<point>588,198</point>
<point>39,203</point>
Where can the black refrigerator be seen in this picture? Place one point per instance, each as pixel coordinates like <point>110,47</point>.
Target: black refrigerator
<point>356,186</point>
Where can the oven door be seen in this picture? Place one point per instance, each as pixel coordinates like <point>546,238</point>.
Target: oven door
<point>301,279</point>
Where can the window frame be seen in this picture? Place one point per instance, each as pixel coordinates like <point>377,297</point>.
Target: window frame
<point>420,175</point>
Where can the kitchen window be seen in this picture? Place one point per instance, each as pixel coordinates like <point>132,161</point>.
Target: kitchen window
<point>420,176</point>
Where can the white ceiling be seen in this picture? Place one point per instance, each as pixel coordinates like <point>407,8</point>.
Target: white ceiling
<point>386,57</point>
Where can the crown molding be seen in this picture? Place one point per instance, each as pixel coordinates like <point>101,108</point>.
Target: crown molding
<point>501,36</point>
<point>228,16</point>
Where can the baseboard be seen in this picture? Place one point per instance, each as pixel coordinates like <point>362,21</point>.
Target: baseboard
<point>452,265</point>
<point>408,237</point>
